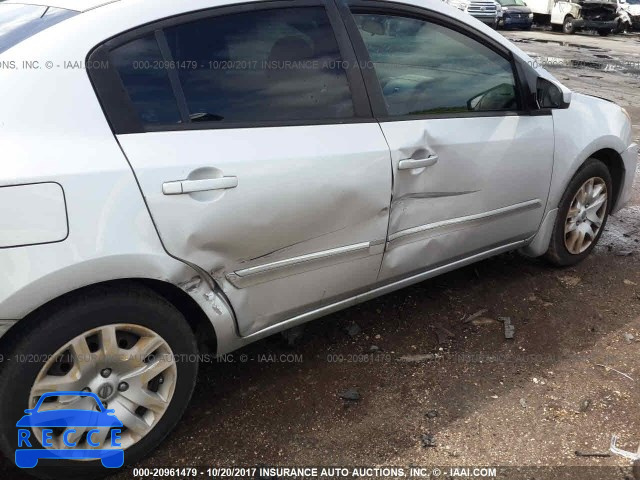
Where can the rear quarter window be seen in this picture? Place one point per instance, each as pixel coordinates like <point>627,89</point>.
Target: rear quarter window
<point>19,22</point>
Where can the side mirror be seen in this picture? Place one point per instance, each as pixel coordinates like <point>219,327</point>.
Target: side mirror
<point>550,95</point>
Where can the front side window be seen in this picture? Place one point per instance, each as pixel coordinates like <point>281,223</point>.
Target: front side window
<point>425,68</point>
<point>260,66</point>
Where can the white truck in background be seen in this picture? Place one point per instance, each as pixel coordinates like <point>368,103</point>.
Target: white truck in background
<point>572,15</point>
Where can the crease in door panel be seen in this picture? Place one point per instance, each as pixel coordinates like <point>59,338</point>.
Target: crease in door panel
<point>393,184</point>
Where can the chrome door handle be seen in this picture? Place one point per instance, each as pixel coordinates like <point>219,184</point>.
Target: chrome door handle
<point>190,186</point>
<point>410,164</point>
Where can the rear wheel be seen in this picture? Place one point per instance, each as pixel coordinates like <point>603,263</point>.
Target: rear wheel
<point>582,215</point>
<point>133,349</point>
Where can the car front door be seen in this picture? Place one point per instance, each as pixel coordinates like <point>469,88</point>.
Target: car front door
<point>471,167</point>
<point>257,153</point>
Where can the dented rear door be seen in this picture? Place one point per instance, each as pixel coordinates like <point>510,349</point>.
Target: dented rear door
<point>259,159</point>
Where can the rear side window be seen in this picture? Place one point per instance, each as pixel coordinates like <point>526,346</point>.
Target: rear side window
<point>145,77</point>
<point>426,68</point>
<point>19,22</point>
<point>270,65</point>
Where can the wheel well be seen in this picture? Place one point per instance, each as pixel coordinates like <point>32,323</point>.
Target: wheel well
<point>196,318</point>
<point>615,164</point>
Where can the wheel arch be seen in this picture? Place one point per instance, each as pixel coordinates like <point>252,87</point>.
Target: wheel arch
<point>193,312</point>
<point>615,164</point>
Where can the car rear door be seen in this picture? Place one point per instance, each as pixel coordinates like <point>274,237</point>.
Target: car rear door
<point>471,166</point>
<point>256,152</point>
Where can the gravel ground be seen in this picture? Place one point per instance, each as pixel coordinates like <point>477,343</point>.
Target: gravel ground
<point>566,382</point>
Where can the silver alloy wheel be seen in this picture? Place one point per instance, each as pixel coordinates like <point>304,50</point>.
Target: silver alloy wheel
<point>586,215</point>
<point>131,369</point>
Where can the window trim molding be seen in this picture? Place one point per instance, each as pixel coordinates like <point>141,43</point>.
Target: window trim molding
<point>123,117</point>
<point>376,97</point>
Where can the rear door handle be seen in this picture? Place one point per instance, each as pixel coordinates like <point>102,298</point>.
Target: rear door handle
<point>410,164</point>
<point>190,186</point>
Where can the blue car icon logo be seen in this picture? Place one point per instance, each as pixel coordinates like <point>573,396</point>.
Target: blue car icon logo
<point>68,420</point>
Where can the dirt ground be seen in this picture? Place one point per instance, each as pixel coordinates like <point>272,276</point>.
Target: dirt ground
<point>566,382</point>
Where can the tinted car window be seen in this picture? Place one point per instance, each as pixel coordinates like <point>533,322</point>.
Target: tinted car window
<point>425,68</point>
<point>268,65</point>
<point>19,22</point>
<point>146,78</point>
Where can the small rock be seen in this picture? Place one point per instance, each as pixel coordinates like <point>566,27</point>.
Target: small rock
<point>570,280</point>
<point>629,337</point>
<point>351,394</point>
<point>353,329</point>
<point>535,380</point>
<point>374,348</point>
<point>428,440</point>
<point>584,405</point>
<point>629,282</point>
<point>523,403</point>
<point>432,414</point>
<point>378,337</point>
<point>624,253</point>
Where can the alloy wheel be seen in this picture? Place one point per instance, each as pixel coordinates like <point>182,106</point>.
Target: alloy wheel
<point>586,215</point>
<point>131,369</point>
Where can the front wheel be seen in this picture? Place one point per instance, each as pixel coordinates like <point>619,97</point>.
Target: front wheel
<point>582,215</point>
<point>568,27</point>
<point>126,350</point>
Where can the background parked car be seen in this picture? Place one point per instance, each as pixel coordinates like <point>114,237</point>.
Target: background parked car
<point>515,14</point>
<point>572,15</point>
<point>633,7</point>
<point>487,11</point>
<point>628,16</point>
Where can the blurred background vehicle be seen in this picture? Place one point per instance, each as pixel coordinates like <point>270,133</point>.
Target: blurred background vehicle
<point>487,11</point>
<point>515,14</point>
<point>573,15</point>
<point>628,16</point>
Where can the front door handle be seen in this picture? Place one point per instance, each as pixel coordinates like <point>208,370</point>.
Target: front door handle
<point>410,164</point>
<point>190,186</point>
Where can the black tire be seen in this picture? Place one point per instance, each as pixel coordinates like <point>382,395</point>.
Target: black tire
<point>50,329</point>
<point>567,26</point>
<point>603,32</point>
<point>558,254</point>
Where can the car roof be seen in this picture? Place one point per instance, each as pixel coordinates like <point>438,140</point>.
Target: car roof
<point>77,5</point>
